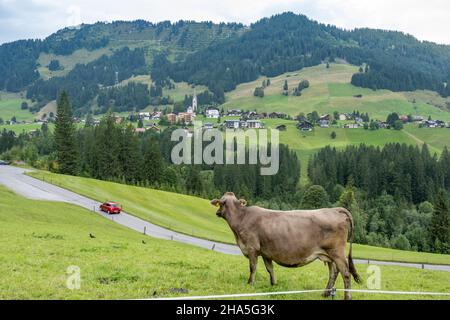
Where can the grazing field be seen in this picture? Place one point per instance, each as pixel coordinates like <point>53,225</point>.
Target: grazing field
<point>40,240</point>
<point>192,215</point>
<point>11,107</point>
<point>330,90</point>
<point>20,128</point>
<point>308,143</point>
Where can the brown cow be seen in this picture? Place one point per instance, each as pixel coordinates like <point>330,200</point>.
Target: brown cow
<point>291,238</point>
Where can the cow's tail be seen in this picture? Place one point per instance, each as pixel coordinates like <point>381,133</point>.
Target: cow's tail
<point>351,265</point>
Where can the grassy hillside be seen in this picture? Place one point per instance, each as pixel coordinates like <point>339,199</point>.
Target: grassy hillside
<point>330,90</point>
<point>40,240</point>
<point>11,107</point>
<point>177,94</point>
<point>308,143</point>
<point>192,215</point>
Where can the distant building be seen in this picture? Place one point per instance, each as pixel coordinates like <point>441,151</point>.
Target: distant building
<point>212,113</point>
<point>207,125</point>
<point>232,124</point>
<point>156,115</point>
<point>187,117</point>
<point>139,130</point>
<point>281,127</point>
<point>172,118</point>
<point>305,126</point>
<point>324,123</point>
<point>403,118</point>
<point>253,124</point>
<point>144,115</point>
<point>342,117</point>
<point>351,126</point>
<point>234,113</point>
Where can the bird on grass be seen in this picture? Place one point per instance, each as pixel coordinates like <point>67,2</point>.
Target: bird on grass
<point>91,235</point>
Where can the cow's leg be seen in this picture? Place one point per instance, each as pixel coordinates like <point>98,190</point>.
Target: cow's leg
<point>269,267</point>
<point>253,259</point>
<point>332,279</point>
<point>342,266</point>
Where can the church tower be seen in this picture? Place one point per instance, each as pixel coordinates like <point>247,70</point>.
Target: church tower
<point>194,102</point>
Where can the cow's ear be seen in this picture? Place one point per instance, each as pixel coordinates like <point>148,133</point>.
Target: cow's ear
<point>215,202</point>
<point>243,202</point>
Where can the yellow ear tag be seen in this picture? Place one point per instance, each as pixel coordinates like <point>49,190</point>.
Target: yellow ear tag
<point>217,204</point>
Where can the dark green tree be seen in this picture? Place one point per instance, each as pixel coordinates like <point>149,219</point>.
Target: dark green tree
<point>440,227</point>
<point>66,152</point>
<point>315,197</point>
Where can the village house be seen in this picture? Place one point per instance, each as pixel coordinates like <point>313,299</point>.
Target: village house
<point>430,124</point>
<point>253,124</point>
<point>305,125</point>
<point>234,113</point>
<point>207,126</point>
<point>342,117</point>
<point>324,123</point>
<point>172,118</point>
<point>275,115</point>
<point>156,115</point>
<point>212,113</point>
<point>440,124</point>
<point>139,130</point>
<point>351,126</point>
<point>186,117</point>
<point>144,115</point>
<point>232,124</point>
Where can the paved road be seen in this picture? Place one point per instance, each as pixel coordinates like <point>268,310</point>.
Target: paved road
<point>14,179</point>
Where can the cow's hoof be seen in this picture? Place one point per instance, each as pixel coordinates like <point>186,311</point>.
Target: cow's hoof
<point>326,294</point>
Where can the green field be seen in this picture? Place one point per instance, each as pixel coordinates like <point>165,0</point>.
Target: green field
<point>330,90</point>
<point>195,216</point>
<point>308,143</point>
<point>11,107</point>
<point>40,240</point>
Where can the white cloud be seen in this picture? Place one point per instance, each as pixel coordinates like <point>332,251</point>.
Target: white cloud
<point>427,20</point>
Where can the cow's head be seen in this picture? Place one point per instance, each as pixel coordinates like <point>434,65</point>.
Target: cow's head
<point>227,204</point>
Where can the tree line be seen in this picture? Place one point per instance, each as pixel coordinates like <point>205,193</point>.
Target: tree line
<point>400,193</point>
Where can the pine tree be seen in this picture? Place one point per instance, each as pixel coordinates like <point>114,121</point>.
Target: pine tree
<point>440,226</point>
<point>153,162</point>
<point>130,155</point>
<point>66,152</point>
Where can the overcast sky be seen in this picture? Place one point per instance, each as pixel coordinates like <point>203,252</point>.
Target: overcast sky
<point>427,20</point>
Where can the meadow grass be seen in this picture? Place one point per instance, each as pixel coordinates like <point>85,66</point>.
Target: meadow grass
<point>11,107</point>
<point>306,144</point>
<point>195,216</point>
<point>40,240</point>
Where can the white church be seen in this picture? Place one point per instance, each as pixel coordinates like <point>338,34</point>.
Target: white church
<point>193,108</point>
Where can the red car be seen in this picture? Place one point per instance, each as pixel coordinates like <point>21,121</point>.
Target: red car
<point>111,207</point>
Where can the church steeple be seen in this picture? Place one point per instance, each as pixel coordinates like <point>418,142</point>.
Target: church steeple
<point>194,101</point>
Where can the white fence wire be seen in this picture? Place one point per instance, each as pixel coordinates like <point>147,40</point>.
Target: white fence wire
<point>260,294</point>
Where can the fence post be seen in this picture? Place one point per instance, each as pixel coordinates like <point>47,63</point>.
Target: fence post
<point>145,229</point>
